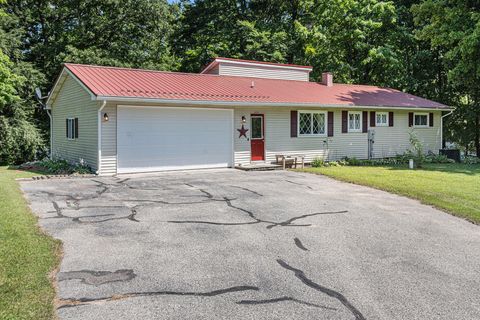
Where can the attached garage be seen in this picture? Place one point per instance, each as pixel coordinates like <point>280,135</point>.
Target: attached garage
<point>164,138</point>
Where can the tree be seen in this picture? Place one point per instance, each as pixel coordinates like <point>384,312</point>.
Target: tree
<point>131,33</point>
<point>453,28</point>
<point>20,139</point>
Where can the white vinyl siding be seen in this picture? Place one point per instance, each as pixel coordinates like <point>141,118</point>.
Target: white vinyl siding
<point>389,141</point>
<point>265,71</point>
<point>109,140</point>
<point>73,101</point>
<point>278,140</point>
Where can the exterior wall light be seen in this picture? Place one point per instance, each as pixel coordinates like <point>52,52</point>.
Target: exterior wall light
<point>244,120</point>
<point>105,117</point>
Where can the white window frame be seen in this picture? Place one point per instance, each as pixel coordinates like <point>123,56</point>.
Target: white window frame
<point>312,112</point>
<point>360,122</point>
<point>421,114</point>
<point>71,128</point>
<point>381,124</point>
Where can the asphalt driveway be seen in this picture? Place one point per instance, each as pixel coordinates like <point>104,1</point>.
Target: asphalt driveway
<point>227,244</point>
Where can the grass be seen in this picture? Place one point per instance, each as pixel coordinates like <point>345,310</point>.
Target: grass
<point>27,255</point>
<point>454,188</point>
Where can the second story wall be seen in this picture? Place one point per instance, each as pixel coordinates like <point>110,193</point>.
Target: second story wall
<point>258,70</point>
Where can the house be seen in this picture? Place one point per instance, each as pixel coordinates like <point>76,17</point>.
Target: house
<point>234,112</point>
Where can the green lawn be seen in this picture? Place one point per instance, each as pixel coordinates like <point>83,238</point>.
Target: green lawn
<point>454,188</point>
<point>27,256</point>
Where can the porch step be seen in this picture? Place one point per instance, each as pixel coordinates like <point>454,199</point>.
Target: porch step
<point>259,167</point>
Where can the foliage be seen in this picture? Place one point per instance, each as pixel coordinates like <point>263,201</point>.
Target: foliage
<point>318,162</point>
<point>20,139</point>
<point>416,152</point>
<point>471,160</point>
<point>451,187</point>
<point>58,166</point>
<point>27,256</point>
<point>398,160</point>
<point>453,28</point>
<point>438,158</point>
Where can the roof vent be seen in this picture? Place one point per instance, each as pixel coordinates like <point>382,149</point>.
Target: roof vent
<point>252,85</point>
<point>327,79</point>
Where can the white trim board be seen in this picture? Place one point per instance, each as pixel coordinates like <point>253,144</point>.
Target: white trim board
<point>193,103</point>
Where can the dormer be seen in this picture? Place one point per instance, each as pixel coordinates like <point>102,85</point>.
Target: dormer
<point>257,69</point>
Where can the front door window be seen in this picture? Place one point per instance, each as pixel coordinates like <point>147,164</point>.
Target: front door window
<point>257,127</point>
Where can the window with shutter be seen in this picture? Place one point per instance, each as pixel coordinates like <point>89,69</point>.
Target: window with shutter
<point>312,123</point>
<point>354,121</point>
<point>381,119</point>
<point>72,124</point>
<point>420,120</point>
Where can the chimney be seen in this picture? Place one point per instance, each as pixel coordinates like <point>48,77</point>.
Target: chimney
<point>327,79</point>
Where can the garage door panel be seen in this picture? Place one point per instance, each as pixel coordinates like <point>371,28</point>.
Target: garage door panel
<point>156,138</point>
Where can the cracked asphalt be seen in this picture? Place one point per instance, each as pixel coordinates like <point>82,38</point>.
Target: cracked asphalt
<point>229,244</point>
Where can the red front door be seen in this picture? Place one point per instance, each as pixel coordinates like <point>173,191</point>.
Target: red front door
<point>257,137</point>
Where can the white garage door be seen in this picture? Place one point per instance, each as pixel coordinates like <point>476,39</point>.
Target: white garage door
<point>158,138</point>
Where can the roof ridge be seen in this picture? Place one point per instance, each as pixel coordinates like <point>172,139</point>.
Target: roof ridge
<point>188,73</point>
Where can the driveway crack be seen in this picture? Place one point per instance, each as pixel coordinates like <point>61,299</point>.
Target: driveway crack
<point>282,299</point>
<point>330,292</point>
<point>66,303</point>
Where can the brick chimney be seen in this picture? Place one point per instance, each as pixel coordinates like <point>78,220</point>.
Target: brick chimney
<point>327,79</point>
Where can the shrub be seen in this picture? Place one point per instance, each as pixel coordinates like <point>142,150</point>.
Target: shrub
<point>334,164</point>
<point>20,141</point>
<point>352,161</point>
<point>318,162</point>
<point>416,152</point>
<point>398,160</point>
<point>58,166</point>
<point>438,158</point>
<point>471,160</point>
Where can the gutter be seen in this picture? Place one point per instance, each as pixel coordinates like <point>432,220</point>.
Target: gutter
<point>441,126</point>
<point>99,137</point>
<point>255,104</point>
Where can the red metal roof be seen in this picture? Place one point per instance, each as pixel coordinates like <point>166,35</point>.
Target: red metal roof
<point>148,84</point>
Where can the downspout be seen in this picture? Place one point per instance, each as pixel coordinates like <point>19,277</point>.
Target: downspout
<point>441,128</point>
<point>51,132</point>
<point>100,136</point>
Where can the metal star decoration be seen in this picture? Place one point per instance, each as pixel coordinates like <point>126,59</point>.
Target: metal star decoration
<point>243,132</point>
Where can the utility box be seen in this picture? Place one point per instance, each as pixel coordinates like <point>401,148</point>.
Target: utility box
<point>451,154</point>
